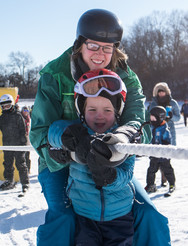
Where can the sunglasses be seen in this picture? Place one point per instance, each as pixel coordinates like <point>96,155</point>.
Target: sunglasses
<point>25,110</point>
<point>92,87</point>
<point>94,47</point>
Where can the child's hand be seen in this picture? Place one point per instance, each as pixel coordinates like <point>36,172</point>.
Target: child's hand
<point>77,139</point>
<point>59,155</point>
<point>102,175</point>
<point>107,153</point>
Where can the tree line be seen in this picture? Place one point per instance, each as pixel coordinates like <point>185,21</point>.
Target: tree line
<point>157,47</point>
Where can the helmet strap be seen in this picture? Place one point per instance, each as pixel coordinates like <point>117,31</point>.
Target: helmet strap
<point>117,118</point>
<point>82,118</point>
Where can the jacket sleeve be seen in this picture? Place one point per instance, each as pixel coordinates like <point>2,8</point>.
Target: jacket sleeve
<point>134,112</point>
<point>22,130</point>
<point>176,112</point>
<point>47,109</point>
<point>56,130</point>
<point>166,137</point>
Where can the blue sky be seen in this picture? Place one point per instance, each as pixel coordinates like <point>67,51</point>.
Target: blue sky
<point>45,28</point>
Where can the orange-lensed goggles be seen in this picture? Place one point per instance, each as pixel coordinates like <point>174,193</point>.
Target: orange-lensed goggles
<point>92,87</point>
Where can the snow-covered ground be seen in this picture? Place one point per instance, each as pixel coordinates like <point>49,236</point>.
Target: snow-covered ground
<point>20,217</point>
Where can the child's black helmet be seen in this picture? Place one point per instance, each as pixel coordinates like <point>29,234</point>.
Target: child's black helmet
<point>100,25</point>
<point>160,114</point>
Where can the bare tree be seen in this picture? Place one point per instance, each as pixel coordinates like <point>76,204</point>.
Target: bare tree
<point>20,61</point>
<point>157,47</point>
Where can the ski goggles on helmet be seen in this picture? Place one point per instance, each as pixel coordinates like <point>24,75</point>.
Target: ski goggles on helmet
<point>92,87</point>
<point>6,106</point>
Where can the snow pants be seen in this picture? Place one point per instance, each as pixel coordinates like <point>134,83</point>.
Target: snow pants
<point>59,226</point>
<point>117,232</point>
<point>20,164</point>
<point>150,227</point>
<point>28,161</point>
<point>166,168</point>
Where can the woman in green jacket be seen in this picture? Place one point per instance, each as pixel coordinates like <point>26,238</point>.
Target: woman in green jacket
<point>99,33</point>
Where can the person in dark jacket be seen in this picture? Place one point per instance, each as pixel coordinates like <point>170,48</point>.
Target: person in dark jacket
<point>161,135</point>
<point>184,111</point>
<point>13,130</point>
<point>162,97</point>
<point>26,115</point>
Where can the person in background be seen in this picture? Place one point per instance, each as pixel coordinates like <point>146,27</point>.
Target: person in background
<point>13,130</point>
<point>161,135</point>
<point>184,111</point>
<point>100,109</point>
<point>162,97</point>
<point>98,36</point>
<point>26,115</point>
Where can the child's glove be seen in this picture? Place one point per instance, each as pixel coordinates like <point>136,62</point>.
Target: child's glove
<point>107,153</point>
<point>59,155</point>
<point>77,139</point>
<point>105,148</point>
<point>170,114</point>
<point>101,174</point>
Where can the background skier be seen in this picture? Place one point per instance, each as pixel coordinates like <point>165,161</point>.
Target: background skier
<point>184,111</point>
<point>161,135</point>
<point>13,130</point>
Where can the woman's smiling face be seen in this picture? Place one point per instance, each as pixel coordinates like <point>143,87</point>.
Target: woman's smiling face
<point>96,59</point>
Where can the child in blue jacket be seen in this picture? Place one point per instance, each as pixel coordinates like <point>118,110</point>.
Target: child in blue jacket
<point>101,193</point>
<point>161,135</point>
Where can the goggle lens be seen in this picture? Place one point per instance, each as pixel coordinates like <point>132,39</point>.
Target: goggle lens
<point>93,87</point>
<point>6,106</point>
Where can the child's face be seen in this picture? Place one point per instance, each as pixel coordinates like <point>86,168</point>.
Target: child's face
<point>162,93</point>
<point>152,118</point>
<point>99,114</point>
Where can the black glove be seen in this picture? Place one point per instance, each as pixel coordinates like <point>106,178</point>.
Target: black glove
<point>170,114</point>
<point>101,174</point>
<point>77,139</point>
<point>59,155</point>
<point>107,153</point>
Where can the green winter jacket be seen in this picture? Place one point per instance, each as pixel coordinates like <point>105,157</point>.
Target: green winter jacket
<point>55,101</point>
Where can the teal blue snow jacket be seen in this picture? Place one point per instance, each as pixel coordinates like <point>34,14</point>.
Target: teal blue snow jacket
<point>112,201</point>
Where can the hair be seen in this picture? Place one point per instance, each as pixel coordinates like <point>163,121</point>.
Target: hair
<point>119,58</point>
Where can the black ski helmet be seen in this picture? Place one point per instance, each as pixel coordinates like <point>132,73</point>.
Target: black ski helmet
<point>160,114</point>
<point>100,25</point>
